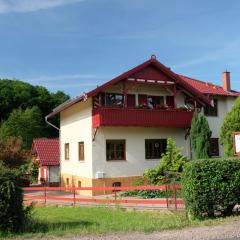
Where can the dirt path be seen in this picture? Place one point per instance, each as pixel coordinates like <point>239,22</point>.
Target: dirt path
<point>220,232</point>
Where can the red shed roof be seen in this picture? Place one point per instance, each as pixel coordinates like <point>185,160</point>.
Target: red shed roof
<point>209,88</point>
<point>47,151</point>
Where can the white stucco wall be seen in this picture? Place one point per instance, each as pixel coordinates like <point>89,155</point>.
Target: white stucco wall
<point>76,126</point>
<point>215,122</point>
<point>135,163</point>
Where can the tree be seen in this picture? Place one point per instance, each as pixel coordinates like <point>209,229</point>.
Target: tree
<point>200,134</point>
<point>15,94</point>
<point>26,124</point>
<point>171,164</point>
<point>230,124</point>
<point>11,153</point>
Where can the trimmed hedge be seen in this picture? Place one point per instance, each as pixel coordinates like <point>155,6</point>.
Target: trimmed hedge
<point>13,216</point>
<point>211,187</point>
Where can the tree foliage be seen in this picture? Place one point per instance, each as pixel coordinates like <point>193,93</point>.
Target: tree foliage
<point>13,216</point>
<point>230,124</point>
<point>171,165</point>
<point>20,101</point>
<point>200,134</point>
<point>211,187</point>
<point>26,124</point>
<point>11,153</point>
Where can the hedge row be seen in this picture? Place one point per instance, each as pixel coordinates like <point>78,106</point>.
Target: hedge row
<point>211,187</point>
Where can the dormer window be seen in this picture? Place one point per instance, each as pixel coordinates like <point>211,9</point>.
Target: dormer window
<point>114,100</point>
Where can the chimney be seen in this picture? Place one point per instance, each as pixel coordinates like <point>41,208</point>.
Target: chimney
<point>226,81</point>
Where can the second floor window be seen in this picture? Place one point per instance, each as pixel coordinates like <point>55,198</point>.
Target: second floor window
<point>211,111</point>
<point>114,100</point>
<point>66,151</point>
<point>155,101</point>
<point>154,148</point>
<point>116,150</point>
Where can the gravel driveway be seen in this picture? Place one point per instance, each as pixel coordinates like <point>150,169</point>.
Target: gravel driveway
<point>220,232</point>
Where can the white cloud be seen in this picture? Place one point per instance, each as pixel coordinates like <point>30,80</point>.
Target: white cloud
<point>7,6</point>
<point>69,77</point>
<point>229,52</point>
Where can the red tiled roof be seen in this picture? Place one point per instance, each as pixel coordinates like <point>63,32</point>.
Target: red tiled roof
<point>208,88</point>
<point>198,88</point>
<point>47,151</point>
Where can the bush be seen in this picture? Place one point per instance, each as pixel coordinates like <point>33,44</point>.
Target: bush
<point>211,187</point>
<point>13,216</point>
<point>200,134</point>
<point>169,168</point>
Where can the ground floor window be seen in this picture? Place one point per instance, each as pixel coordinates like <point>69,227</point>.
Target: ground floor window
<point>154,148</point>
<point>116,150</point>
<point>81,151</point>
<point>214,147</point>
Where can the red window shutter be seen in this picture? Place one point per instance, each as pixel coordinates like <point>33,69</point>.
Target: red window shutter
<point>170,101</point>
<point>102,99</point>
<point>142,99</point>
<point>131,100</point>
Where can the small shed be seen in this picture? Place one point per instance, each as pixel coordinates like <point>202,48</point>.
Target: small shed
<point>46,152</point>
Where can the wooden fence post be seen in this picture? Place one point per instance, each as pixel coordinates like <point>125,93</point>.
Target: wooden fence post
<point>45,195</point>
<point>74,197</point>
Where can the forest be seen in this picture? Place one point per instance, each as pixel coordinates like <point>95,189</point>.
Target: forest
<point>23,108</point>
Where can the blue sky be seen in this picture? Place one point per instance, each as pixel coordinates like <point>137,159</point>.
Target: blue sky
<point>74,45</point>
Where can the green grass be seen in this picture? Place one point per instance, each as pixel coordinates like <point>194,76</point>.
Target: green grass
<point>59,221</point>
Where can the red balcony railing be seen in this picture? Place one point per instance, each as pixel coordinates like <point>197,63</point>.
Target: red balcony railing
<point>127,117</point>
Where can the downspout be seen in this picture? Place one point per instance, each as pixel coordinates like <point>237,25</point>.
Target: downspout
<point>59,130</point>
<point>52,125</point>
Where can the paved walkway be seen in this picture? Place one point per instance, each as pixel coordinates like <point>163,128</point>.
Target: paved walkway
<point>220,232</point>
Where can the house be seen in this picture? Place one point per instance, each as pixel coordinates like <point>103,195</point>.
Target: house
<point>46,152</point>
<point>112,134</point>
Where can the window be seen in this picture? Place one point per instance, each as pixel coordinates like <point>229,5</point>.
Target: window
<point>113,99</point>
<point>81,151</point>
<point>79,184</point>
<point>155,101</point>
<point>67,181</point>
<point>211,111</point>
<point>214,147</point>
<point>154,148</point>
<point>66,148</point>
<point>115,150</point>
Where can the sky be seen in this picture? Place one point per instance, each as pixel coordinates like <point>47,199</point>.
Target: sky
<point>75,45</point>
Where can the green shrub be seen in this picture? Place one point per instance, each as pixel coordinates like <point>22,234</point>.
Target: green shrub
<point>211,187</point>
<point>170,166</point>
<point>13,216</point>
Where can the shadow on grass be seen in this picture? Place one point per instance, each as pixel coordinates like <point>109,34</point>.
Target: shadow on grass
<point>41,227</point>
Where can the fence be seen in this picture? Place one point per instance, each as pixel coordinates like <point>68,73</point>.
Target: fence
<point>69,195</point>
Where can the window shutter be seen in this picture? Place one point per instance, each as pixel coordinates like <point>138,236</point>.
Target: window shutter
<point>131,100</point>
<point>170,101</point>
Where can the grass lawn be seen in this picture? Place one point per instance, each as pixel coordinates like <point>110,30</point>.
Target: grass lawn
<point>59,221</point>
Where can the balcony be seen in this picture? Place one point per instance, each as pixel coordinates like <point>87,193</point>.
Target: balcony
<point>133,117</point>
